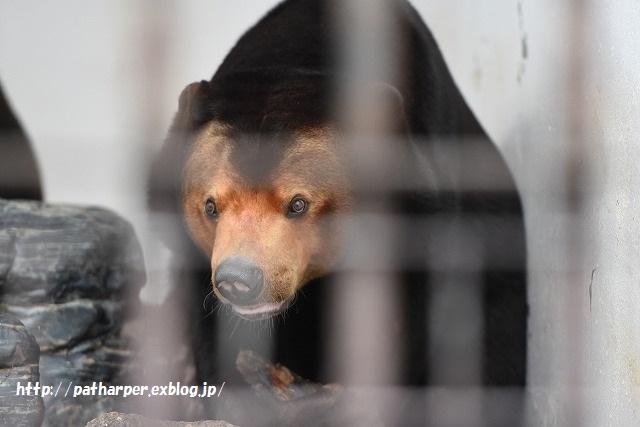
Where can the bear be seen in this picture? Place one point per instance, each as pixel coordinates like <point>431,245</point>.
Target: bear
<point>19,175</point>
<point>259,181</point>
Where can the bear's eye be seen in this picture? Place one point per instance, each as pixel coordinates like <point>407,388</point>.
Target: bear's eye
<point>210,208</point>
<point>297,207</point>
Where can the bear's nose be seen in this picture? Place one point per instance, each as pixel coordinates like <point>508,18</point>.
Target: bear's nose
<point>238,280</point>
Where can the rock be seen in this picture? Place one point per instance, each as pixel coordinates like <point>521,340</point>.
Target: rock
<point>56,254</point>
<point>19,355</point>
<point>72,275</point>
<point>286,399</point>
<point>115,419</point>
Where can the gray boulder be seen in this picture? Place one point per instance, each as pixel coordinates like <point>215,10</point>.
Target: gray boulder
<point>72,276</point>
<point>114,419</point>
<point>20,404</point>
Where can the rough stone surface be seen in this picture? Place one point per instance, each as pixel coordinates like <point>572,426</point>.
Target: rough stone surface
<point>115,419</point>
<point>286,399</point>
<point>71,275</point>
<point>56,254</point>
<point>19,355</point>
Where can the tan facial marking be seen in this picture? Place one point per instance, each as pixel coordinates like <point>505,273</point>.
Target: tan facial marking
<point>253,222</point>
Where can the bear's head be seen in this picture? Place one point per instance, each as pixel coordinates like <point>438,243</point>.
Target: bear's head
<point>266,212</point>
<point>265,188</point>
<point>265,204</point>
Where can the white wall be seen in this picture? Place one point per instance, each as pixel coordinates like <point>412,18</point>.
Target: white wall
<point>573,100</point>
<point>96,83</point>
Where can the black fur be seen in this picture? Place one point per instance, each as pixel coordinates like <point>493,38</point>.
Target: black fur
<point>281,77</point>
<point>19,176</point>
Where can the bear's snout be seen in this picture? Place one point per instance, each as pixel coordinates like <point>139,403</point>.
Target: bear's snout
<point>239,280</point>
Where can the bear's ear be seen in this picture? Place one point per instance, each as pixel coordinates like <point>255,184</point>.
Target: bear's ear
<point>381,109</point>
<point>194,107</point>
<point>391,102</point>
